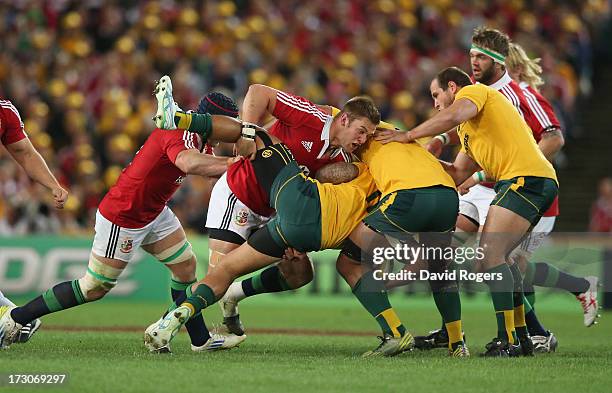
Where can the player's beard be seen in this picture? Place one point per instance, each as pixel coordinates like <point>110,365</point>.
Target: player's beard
<point>486,77</point>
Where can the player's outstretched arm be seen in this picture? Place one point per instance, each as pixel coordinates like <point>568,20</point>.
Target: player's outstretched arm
<point>460,111</point>
<point>35,166</point>
<point>192,162</point>
<point>220,128</point>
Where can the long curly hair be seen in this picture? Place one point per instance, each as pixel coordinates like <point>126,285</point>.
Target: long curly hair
<point>529,70</point>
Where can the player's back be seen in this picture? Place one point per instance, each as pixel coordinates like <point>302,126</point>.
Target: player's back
<point>544,118</point>
<point>148,182</point>
<point>403,166</point>
<point>344,205</point>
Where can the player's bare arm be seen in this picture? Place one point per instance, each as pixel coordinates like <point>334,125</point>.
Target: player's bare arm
<point>461,169</point>
<point>551,143</point>
<point>258,104</point>
<point>460,111</point>
<point>193,162</point>
<point>338,172</point>
<point>35,166</point>
<point>228,129</point>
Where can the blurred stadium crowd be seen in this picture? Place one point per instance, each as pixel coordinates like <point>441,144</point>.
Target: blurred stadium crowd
<point>81,73</point>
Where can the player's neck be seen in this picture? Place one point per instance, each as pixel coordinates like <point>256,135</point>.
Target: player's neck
<point>334,143</point>
<point>496,77</point>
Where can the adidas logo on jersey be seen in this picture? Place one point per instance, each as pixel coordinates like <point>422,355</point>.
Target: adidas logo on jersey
<point>307,146</point>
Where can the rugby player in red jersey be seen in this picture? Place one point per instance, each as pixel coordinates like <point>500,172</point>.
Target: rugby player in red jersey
<point>133,214</point>
<point>14,138</point>
<point>527,73</point>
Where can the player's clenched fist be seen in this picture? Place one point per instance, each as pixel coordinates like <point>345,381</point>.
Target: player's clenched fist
<point>59,197</point>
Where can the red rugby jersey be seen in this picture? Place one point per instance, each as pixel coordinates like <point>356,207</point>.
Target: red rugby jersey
<point>11,126</point>
<point>547,120</point>
<point>149,181</point>
<point>304,128</point>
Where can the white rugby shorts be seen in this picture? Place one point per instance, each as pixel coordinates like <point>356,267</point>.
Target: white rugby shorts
<point>113,241</point>
<point>227,212</point>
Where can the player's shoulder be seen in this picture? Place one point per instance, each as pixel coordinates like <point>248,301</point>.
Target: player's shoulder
<point>8,108</point>
<point>477,89</point>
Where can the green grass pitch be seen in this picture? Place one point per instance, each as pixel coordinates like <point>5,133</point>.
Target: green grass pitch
<point>300,343</point>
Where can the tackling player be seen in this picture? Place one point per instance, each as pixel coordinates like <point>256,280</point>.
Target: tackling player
<point>488,55</point>
<point>315,139</point>
<point>134,213</point>
<point>309,216</point>
<point>423,202</point>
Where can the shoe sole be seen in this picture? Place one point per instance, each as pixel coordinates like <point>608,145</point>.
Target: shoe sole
<point>161,92</point>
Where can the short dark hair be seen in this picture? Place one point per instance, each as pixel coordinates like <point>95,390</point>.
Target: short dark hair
<point>361,107</point>
<point>494,39</point>
<point>217,103</point>
<point>454,74</point>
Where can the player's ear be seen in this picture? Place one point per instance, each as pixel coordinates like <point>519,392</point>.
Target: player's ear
<point>344,120</point>
<point>452,87</point>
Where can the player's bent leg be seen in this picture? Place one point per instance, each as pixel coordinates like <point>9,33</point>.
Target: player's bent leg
<point>229,222</point>
<point>502,232</point>
<point>100,277</point>
<point>288,274</point>
<point>547,275</point>
<point>245,259</point>
<point>373,296</point>
<point>176,253</point>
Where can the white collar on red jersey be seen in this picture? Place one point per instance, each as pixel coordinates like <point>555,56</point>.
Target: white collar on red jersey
<point>503,81</point>
<point>325,135</point>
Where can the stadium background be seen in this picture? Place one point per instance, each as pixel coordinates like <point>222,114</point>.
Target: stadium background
<point>81,74</point>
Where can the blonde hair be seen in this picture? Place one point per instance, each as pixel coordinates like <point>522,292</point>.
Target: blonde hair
<point>530,69</point>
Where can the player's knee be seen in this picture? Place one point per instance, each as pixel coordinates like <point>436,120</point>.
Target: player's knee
<point>98,280</point>
<point>214,259</point>
<point>520,257</point>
